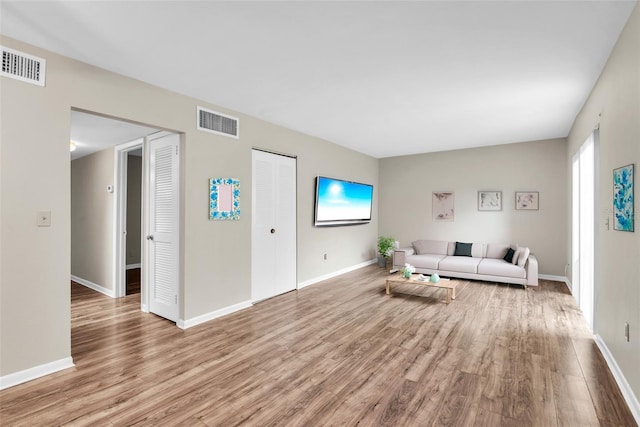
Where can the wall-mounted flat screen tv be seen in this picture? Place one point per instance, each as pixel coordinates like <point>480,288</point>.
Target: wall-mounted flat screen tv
<point>340,202</point>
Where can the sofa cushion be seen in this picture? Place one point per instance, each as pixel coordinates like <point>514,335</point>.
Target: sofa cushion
<point>438,247</point>
<point>497,250</point>
<point>524,254</point>
<point>462,249</point>
<point>451,248</point>
<point>477,250</point>
<point>461,264</point>
<point>499,267</point>
<point>429,261</point>
<point>516,255</point>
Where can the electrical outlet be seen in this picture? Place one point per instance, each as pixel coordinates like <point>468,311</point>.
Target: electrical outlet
<point>325,257</point>
<point>43,219</point>
<point>626,331</point>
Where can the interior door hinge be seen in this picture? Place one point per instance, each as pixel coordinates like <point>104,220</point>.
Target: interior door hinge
<point>176,150</point>
<point>176,298</point>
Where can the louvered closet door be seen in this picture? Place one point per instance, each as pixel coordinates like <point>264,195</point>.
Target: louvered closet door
<point>162,239</point>
<point>273,248</point>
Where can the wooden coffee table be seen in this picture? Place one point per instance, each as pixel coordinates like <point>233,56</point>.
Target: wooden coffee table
<point>449,285</point>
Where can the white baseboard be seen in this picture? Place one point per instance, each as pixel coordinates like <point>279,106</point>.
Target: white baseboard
<point>35,372</point>
<point>94,286</point>
<point>563,279</point>
<point>185,324</point>
<point>569,285</point>
<point>335,273</point>
<point>132,266</point>
<point>625,388</point>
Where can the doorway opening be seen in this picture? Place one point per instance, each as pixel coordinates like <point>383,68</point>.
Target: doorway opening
<point>117,193</point>
<point>134,222</point>
<point>128,265</point>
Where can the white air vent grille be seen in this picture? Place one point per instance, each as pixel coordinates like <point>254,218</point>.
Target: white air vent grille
<point>214,122</point>
<point>23,67</point>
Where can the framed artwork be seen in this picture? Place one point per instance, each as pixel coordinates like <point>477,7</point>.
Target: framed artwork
<point>442,206</point>
<point>224,199</point>
<point>623,213</point>
<point>527,200</point>
<point>489,200</point>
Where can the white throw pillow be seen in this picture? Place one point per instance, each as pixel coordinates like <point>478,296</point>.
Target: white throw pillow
<point>516,255</point>
<point>523,256</point>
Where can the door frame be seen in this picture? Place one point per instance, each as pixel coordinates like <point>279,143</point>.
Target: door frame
<point>121,153</point>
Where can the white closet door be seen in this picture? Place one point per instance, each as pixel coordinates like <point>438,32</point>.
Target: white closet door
<point>273,249</point>
<point>285,225</point>
<point>162,237</point>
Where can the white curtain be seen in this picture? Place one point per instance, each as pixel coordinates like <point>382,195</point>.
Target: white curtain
<point>583,227</point>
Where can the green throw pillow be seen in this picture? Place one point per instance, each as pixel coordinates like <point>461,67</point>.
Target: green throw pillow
<point>509,256</point>
<point>462,249</point>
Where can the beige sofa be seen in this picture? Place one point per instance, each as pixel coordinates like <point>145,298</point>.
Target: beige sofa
<point>477,261</point>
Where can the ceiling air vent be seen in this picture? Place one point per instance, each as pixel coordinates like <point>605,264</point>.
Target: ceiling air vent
<point>23,67</point>
<point>214,122</point>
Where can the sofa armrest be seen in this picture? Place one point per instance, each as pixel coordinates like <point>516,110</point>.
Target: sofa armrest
<point>532,270</point>
<point>400,256</point>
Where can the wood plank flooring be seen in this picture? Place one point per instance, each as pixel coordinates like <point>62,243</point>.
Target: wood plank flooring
<point>338,353</point>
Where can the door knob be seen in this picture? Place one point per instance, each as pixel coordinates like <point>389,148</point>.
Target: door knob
<point>150,237</point>
<point>273,230</point>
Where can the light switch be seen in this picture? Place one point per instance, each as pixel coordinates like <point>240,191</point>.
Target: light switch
<point>44,219</point>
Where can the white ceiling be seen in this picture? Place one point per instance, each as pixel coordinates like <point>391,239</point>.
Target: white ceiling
<point>91,133</point>
<point>384,78</point>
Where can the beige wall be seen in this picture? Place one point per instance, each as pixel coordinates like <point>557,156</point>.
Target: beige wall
<point>408,181</point>
<point>34,261</point>
<point>134,206</point>
<point>217,253</point>
<point>92,218</point>
<point>616,97</point>
<point>35,175</point>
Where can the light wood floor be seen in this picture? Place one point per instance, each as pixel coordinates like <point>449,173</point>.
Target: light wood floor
<point>338,353</point>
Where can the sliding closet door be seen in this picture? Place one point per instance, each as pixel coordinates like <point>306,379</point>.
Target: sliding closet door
<point>273,248</point>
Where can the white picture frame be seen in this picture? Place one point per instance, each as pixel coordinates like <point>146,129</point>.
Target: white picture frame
<point>443,206</point>
<point>527,200</point>
<point>490,200</point>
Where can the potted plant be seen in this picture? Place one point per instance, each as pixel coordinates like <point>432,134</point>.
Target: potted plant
<point>385,249</point>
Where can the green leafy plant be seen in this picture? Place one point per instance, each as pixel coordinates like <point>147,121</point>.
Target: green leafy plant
<point>385,246</point>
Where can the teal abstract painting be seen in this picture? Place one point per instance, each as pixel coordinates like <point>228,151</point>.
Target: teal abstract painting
<point>623,198</point>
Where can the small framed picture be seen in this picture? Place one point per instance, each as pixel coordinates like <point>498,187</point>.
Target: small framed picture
<point>224,199</point>
<point>443,206</point>
<point>489,200</point>
<point>527,200</point>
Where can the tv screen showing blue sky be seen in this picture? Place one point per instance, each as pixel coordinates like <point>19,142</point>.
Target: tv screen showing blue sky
<point>342,200</point>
